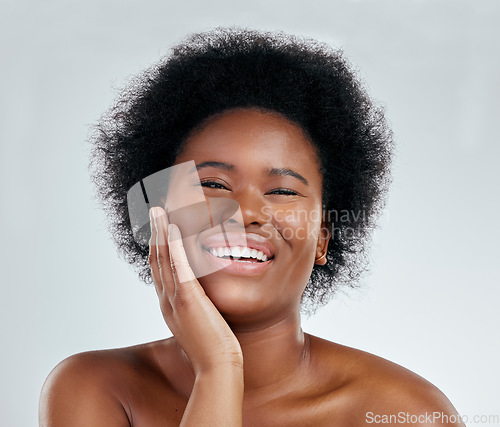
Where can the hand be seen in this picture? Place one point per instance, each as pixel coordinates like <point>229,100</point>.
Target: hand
<point>195,322</point>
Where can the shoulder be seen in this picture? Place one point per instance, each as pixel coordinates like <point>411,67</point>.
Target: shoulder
<point>380,391</point>
<point>90,388</point>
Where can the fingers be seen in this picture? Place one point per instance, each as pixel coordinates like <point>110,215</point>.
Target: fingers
<point>178,259</point>
<point>173,277</point>
<point>159,258</point>
<point>155,273</point>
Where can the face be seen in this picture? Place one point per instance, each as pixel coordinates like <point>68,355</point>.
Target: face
<point>265,164</point>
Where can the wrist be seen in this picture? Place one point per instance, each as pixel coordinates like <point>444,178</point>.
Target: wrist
<point>226,370</point>
<point>222,380</point>
<point>216,398</point>
<point>217,366</point>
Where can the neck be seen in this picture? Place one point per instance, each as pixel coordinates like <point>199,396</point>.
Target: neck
<point>273,354</point>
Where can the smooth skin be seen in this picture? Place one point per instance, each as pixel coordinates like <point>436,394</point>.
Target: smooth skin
<point>238,355</point>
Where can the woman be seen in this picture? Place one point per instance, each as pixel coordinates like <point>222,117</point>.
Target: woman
<point>281,127</point>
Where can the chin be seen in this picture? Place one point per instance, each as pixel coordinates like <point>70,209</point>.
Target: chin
<point>237,298</point>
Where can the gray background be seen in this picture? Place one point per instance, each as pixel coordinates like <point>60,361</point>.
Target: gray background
<point>431,301</point>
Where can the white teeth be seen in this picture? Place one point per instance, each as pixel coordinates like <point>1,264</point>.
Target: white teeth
<point>238,252</point>
<point>261,256</point>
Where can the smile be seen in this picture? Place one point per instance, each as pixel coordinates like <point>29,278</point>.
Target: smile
<point>238,260</point>
<point>241,253</point>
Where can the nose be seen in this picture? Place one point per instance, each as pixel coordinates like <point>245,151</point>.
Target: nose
<point>252,205</point>
<point>247,207</point>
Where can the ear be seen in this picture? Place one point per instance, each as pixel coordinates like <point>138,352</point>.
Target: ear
<point>322,245</point>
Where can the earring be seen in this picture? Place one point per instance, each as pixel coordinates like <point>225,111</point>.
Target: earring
<point>320,258</point>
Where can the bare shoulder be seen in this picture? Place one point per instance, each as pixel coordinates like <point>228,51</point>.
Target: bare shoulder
<point>380,391</point>
<point>97,387</point>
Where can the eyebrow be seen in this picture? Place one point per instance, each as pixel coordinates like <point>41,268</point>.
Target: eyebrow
<point>270,171</point>
<point>220,165</point>
<point>287,172</point>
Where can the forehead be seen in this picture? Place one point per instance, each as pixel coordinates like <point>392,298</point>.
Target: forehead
<point>252,138</point>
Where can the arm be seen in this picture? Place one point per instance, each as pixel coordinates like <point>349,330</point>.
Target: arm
<point>201,331</point>
<point>216,399</point>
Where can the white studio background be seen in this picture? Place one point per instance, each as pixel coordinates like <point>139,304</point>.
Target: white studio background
<point>431,301</point>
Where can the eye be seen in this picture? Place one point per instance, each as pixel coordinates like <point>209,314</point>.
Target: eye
<point>284,192</point>
<point>276,191</point>
<point>212,184</point>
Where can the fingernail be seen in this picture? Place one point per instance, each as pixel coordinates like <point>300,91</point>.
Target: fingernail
<point>155,212</point>
<point>173,233</point>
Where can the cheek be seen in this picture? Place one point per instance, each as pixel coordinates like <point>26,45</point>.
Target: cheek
<point>300,228</point>
<point>300,232</point>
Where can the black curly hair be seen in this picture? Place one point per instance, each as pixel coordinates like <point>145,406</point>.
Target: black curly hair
<point>307,82</point>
